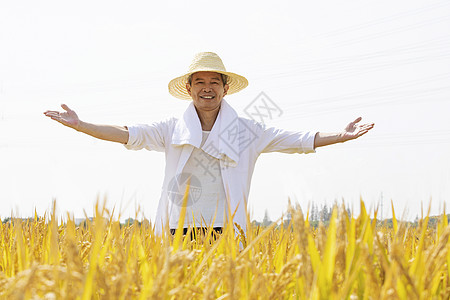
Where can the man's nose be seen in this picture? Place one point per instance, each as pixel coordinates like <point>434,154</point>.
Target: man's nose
<point>207,88</point>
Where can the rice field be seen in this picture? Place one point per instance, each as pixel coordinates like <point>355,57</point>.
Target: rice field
<point>350,258</point>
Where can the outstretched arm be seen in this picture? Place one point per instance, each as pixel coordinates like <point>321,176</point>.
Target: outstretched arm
<point>351,132</point>
<point>70,119</point>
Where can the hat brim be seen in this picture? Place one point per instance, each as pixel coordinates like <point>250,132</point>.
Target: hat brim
<point>177,86</point>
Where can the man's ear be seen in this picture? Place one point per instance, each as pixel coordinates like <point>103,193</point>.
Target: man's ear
<point>188,88</point>
<point>225,89</point>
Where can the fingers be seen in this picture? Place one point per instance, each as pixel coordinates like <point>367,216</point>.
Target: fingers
<point>52,114</point>
<point>363,132</point>
<point>366,126</point>
<point>65,107</point>
<point>56,118</point>
<point>51,111</point>
<point>352,124</point>
<point>357,120</point>
<point>362,126</point>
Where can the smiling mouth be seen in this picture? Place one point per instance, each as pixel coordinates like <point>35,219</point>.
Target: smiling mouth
<point>208,97</point>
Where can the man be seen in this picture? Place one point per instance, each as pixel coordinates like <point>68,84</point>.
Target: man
<point>209,147</point>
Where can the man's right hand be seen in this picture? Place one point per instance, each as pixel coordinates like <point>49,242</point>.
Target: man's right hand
<point>68,118</point>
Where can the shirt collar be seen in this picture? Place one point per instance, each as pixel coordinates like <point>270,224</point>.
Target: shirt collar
<point>188,130</point>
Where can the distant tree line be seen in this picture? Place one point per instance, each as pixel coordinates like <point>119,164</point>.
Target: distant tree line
<point>323,214</point>
<point>316,215</point>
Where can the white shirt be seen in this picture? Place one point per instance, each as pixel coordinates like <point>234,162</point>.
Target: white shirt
<point>206,197</point>
<point>235,141</point>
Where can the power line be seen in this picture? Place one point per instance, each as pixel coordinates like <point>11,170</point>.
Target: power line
<point>382,20</point>
<point>374,92</point>
<point>395,17</point>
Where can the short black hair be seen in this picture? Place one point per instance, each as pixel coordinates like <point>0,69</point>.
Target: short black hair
<point>223,76</point>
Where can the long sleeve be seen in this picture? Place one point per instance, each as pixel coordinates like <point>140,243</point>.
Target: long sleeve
<point>277,140</point>
<point>151,137</point>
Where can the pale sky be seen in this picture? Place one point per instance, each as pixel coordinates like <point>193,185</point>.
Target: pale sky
<point>323,63</point>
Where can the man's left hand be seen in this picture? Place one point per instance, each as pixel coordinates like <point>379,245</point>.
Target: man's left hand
<point>355,130</point>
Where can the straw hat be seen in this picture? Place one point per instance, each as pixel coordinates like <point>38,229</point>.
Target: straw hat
<point>210,62</point>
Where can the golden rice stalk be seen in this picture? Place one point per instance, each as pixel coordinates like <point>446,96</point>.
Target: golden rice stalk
<point>352,257</point>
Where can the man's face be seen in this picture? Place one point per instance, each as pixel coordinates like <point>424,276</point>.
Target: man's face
<point>207,90</point>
